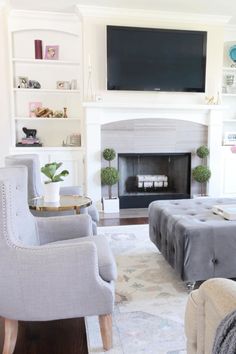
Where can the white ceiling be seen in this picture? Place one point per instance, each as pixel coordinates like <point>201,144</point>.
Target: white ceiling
<point>212,7</point>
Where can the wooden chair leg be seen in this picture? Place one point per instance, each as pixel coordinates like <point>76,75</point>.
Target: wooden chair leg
<point>105,322</point>
<point>11,329</point>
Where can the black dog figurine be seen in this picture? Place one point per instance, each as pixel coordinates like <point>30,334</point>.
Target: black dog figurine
<point>30,133</point>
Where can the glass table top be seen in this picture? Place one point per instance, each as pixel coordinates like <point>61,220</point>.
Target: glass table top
<point>66,202</point>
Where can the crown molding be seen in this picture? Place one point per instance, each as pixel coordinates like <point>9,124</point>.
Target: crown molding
<point>23,19</point>
<point>183,17</point>
<point>43,15</point>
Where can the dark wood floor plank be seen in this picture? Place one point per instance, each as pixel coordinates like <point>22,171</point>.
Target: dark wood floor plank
<point>52,337</point>
<point>123,221</point>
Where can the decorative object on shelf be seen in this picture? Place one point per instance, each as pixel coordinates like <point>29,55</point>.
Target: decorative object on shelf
<point>109,177</point>
<point>44,112</point>
<point>73,84</point>
<point>202,173</point>
<point>213,99</point>
<point>51,52</point>
<point>65,112</point>
<point>232,55</point>
<point>34,84</point>
<point>33,106</point>
<point>229,138</point>
<point>30,139</point>
<point>209,99</point>
<point>23,82</point>
<point>52,185</point>
<point>63,85</point>
<point>57,114</point>
<point>38,49</point>
<point>229,81</point>
<point>72,140</point>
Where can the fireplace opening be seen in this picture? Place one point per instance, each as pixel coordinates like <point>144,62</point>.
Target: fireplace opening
<point>148,177</point>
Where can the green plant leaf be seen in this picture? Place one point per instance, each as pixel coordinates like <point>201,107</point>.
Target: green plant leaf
<point>109,154</point>
<point>201,174</point>
<point>109,176</point>
<point>50,169</point>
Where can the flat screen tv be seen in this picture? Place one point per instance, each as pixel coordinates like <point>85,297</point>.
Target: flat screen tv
<point>148,59</point>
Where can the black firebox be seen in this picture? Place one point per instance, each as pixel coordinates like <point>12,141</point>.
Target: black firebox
<point>148,177</point>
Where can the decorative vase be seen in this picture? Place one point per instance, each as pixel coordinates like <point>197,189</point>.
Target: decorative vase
<point>52,192</point>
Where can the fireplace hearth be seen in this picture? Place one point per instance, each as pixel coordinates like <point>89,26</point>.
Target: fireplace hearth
<point>148,177</point>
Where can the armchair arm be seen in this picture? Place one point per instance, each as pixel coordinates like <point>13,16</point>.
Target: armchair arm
<point>63,227</point>
<point>221,293</point>
<point>206,308</point>
<point>61,281</point>
<point>92,211</point>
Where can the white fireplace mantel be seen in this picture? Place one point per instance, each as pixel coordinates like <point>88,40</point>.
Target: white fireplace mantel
<point>99,113</point>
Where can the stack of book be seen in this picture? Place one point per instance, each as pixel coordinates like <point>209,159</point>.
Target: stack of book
<point>29,142</point>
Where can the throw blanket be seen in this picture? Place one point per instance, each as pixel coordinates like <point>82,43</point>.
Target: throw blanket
<point>225,339</point>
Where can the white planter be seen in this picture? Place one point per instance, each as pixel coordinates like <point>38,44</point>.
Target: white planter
<point>52,192</point>
<point>111,205</point>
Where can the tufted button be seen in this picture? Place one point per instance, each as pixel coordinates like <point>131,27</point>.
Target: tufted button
<point>202,220</point>
<point>214,261</point>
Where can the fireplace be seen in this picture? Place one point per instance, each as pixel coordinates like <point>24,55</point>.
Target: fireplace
<point>98,114</point>
<point>147,177</point>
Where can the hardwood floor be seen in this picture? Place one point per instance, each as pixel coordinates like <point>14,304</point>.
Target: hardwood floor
<point>66,336</point>
<point>124,217</point>
<point>123,221</point>
<point>53,337</point>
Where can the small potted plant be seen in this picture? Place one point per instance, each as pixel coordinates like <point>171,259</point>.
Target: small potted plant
<point>202,173</point>
<point>52,185</point>
<point>109,177</point>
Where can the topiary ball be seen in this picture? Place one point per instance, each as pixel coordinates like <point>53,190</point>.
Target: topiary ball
<point>202,152</point>
<point>109,176</point>
<point>109,154</point>
<point>201,174</point>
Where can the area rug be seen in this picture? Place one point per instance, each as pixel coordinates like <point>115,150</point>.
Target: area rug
<point>150,298</point>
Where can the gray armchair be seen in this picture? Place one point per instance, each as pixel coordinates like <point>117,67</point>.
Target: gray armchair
<point>48,269</point>
<point>35,188</point>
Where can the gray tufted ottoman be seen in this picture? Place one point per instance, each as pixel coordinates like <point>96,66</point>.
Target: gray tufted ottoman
<point>195,242</point>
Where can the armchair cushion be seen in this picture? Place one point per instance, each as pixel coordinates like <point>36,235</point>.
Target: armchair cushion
<point>63,228</point>
<point>106,261</point>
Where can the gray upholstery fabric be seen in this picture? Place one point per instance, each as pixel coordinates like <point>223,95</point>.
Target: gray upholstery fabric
<point>35,188</point>
<point>106,262</point>
<point>49,281</point>
<point>194,241</point>
<point>31,161</point>
<point>63,228</point>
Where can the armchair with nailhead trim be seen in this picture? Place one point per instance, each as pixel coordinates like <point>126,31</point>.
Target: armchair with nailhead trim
<point>50,268</point>
<point>35,188</point>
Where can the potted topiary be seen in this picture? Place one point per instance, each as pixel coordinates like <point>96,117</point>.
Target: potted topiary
<point>109,177</point>
<point>202,173</point>
<point>52,185</point>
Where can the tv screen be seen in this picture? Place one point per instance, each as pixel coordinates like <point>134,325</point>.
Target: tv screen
<point>147,59</point>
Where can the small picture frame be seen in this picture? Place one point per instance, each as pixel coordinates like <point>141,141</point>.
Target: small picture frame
<point>51,52</point>
<point>230,138</point>
<point>63,85</point>
<point>23,82</point>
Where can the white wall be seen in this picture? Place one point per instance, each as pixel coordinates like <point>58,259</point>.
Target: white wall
<point>94,38</point>
<point>4,89</point>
